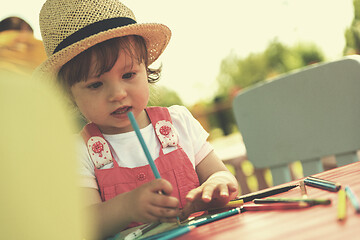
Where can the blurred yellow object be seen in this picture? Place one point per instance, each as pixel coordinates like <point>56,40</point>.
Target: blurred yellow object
<point>39,194</point>
<point>341,205</point>
<point>231,168</point>
<point>20,52</point>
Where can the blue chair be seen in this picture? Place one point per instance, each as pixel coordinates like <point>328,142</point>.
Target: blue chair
<point>302,116</point>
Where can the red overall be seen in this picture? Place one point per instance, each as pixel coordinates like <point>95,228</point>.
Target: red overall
<point>174,166</point>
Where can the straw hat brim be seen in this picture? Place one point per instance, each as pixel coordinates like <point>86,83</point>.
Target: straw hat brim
<point>156,36</point>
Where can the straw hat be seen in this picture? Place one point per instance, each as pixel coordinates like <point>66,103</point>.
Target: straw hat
<point>68,27</point>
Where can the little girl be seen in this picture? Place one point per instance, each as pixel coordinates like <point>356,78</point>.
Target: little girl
<point>101,56</point>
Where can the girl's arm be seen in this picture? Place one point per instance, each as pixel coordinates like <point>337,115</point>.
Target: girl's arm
<point>143,204</point>
<point>218,186</point>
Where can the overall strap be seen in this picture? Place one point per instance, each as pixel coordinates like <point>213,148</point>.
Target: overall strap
<point>98,147</point>
<point>165,132</point>
<point>90,130</point>
<point>157,114</point>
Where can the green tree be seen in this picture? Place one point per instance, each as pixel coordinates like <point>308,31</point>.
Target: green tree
<point>236,72</point>
<point>240,72</point>
<point>282,59</point>
<point>352,33</point>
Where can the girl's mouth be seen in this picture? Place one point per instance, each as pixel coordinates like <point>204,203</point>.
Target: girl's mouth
<point>121,110</point>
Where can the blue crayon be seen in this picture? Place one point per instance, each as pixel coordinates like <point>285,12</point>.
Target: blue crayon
<point>353,199</point>
<point>214,217</point>
<point>319,183</point>
<point>176,233</point>
<point>145,148</point>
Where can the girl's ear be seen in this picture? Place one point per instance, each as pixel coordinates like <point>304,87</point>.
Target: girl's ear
<point>71,103</point>
<point>77,116</point>
<point>80,120</point>
<point>71,98</point>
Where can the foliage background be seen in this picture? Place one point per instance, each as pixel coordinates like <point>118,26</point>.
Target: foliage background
<point>237,73</point>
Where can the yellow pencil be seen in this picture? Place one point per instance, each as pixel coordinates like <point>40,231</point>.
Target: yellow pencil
<point>341,205</point>
<point>231,204</point>
<point>235,203</point>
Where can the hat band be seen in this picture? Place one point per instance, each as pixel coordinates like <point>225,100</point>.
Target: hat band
<point>93,29</point>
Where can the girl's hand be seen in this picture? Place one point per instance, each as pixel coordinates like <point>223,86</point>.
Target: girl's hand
<point>215,192</point>
<point>152,202</point>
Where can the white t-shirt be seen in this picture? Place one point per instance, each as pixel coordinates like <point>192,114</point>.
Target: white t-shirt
<point>128,151</point>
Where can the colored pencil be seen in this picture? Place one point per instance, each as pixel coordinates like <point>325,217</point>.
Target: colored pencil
<point>341,207</point>
<point>265,193</point>
<point>303,190</point>
<point>323,180</point>
<point>141,231</point>
<point>323,184</point>
<point>234,203</point>
<point>145,149</point>
<point>172,233</point>
<point>176,233</point>
<point>143,144</point>
<point>274,206</point>
<point>231,204</point>
<point>213,217</point>
<point>353,199</point>
<point>311,201</point>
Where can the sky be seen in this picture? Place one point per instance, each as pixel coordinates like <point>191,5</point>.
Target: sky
<point>204,32</point>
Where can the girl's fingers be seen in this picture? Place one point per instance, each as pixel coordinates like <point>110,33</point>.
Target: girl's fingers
<point>233,191</point>
<point>207,192</point>
<point>164,213</point>
<point>232,187</point>
<point>165,201</point>
<point>224,190</point>
<point>213,191</point>
<point>194,193</point>
<point>164,208</point>
<point>168,220</point>
<point>146,216</point>
<point>161,185</point>
<point>186,211</point>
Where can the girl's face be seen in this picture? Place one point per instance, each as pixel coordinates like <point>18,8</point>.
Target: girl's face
<point>106,99</point>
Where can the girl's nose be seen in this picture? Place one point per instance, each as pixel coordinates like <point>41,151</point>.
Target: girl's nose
<point>117,92</point>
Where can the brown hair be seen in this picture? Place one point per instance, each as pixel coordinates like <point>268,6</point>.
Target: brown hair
<point>106,54</point>
<point>15,23</point>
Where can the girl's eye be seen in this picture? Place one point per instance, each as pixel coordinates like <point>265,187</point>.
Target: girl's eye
<point>128,75</point>
<point>95,85</point>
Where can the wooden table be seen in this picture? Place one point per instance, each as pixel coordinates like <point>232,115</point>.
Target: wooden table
<point>317,222</point>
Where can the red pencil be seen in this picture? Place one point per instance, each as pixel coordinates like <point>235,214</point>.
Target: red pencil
<point>274,206</point>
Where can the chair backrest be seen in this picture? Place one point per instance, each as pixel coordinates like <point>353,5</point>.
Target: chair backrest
<point>302,116</point>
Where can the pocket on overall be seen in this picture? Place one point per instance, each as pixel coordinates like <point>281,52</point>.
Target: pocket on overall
<point>110,192</point>
<point>182,183</point>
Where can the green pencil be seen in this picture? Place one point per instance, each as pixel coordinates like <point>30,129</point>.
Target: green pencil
<point>311,201</point>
